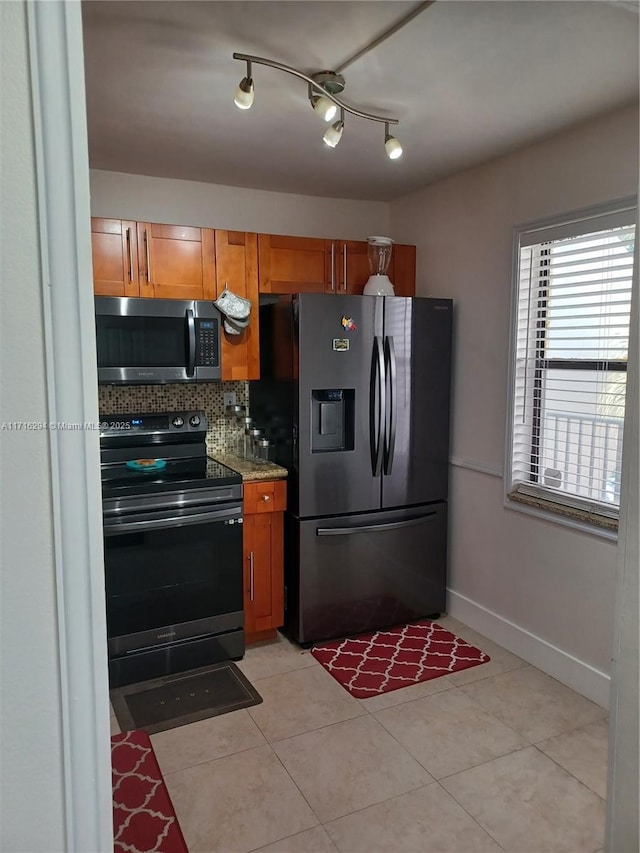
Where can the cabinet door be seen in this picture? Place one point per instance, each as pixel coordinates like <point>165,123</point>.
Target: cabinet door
<point>264,505</point>
<point>176,262</point>
<point>237,267</point>
<point>352,266</point>
<point>115,257</point>
<point>403,277</point>
<point>263,573</point>
<point>294,264</point>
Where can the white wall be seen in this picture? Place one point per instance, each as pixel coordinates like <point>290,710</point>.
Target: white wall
<point>31,798</point>
<point>551,588</point>
<point>142,198</point>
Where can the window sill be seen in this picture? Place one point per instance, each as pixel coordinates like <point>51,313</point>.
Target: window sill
<point>590,521</point>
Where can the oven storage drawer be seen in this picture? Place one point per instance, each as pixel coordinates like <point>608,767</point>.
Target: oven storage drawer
<point>175,657</point>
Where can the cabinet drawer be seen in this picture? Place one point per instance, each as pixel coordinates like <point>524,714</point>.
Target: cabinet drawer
<point>267,496</point>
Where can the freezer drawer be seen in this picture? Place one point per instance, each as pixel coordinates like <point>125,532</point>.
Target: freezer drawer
<point>357,573</point>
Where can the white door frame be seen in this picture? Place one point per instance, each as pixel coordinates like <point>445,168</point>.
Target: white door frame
<point>62,165</point>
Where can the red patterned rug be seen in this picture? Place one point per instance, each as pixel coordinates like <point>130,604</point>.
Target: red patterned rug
<point>143,815</point>
<point>387,660</point>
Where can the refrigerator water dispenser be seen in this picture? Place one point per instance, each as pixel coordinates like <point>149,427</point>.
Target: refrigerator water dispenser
<point>332,419</point>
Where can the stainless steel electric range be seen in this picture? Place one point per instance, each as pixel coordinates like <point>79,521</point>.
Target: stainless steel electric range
<point>172,522</point>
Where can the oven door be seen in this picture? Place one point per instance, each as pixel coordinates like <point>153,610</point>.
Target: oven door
<point>172,575</point>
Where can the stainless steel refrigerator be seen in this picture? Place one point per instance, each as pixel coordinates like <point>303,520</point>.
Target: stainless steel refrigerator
<point>355,395</point>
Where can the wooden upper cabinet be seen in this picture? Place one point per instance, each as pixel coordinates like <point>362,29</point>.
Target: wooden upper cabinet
<point>183,262</point>
<point>115,257</point>
<point>237,266</point>
<point>403,274</point>
<point>176,261</point>
<point>311,265</point>
<point>352,266</point>
<point>293,264</point>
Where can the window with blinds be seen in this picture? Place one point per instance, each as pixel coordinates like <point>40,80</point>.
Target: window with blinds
<point>574,283</point>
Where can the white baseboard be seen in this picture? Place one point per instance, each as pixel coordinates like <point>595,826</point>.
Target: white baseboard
<point>577,674</point>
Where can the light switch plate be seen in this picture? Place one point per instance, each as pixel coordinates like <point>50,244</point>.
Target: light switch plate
<point>229,398</point>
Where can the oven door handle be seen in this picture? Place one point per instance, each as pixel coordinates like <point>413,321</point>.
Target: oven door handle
<point>113,529</point>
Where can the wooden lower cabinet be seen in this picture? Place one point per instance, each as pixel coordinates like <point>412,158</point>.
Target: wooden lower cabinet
<point>263,540</point>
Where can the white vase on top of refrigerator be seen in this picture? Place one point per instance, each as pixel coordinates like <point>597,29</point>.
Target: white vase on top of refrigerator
<point>355,397</point>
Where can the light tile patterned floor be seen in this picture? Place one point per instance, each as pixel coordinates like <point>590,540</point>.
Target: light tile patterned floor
<point>500,757</point>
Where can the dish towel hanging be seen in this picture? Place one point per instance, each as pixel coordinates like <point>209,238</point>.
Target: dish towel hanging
<point>236,311</point>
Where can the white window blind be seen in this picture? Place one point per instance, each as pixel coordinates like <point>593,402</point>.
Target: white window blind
<point>571,345</point>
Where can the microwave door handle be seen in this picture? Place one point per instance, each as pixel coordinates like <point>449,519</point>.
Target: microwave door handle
<point>191,338</point>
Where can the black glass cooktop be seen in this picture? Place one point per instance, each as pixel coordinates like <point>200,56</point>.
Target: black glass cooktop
<point>191,473</point>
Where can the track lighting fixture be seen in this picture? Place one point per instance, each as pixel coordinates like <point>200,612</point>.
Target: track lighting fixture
<point>244,92</point>
<point>333,134</point>
<point>391,145</point>
<point>324,87</point>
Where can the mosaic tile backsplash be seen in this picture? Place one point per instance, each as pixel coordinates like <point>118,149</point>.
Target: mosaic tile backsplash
<point>223,433</point>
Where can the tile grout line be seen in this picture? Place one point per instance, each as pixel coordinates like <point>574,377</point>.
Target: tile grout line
<point>297,789</point>
<point>482,763</point>
<point>213,760</point>
<point>321,823</point>
<point>522,665</point>
<point>465,810</point>
<point>480,708</point>
<point>471,767</point>
<point>566,770</point>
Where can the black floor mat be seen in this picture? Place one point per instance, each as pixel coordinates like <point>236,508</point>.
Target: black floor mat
<point>176,700</point>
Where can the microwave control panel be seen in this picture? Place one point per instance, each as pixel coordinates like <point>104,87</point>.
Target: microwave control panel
<point>207,354</point>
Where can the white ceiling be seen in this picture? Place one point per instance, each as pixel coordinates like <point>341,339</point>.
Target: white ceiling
<point>468,81</point>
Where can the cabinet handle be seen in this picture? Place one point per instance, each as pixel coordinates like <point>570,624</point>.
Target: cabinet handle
<point>146,248</point>
<point>266,497</point>
<point>344,267</point>
<point>333,268</point>
<point>129,244</point>
<point>251,576</point>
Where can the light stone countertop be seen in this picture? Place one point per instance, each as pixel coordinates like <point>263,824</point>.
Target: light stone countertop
<point>251,470</point>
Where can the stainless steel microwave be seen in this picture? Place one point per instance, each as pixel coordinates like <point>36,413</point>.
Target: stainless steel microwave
<point>155,341</point>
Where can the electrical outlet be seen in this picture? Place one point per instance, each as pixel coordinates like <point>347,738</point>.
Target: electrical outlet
<point>229,398</point>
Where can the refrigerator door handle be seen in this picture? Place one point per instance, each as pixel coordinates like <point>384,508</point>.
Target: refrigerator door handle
<point>377,406</point>
<point>392,399</point>
<point>374,528</point>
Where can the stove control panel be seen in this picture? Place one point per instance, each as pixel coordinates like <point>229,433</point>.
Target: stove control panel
<point>150,423</point>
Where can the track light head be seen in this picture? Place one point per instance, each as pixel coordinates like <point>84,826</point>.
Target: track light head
<point>244,93</point>
<point>333,134</point>
<point>333,84</point>
<point>325,108</point>
<point>391,145</point>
